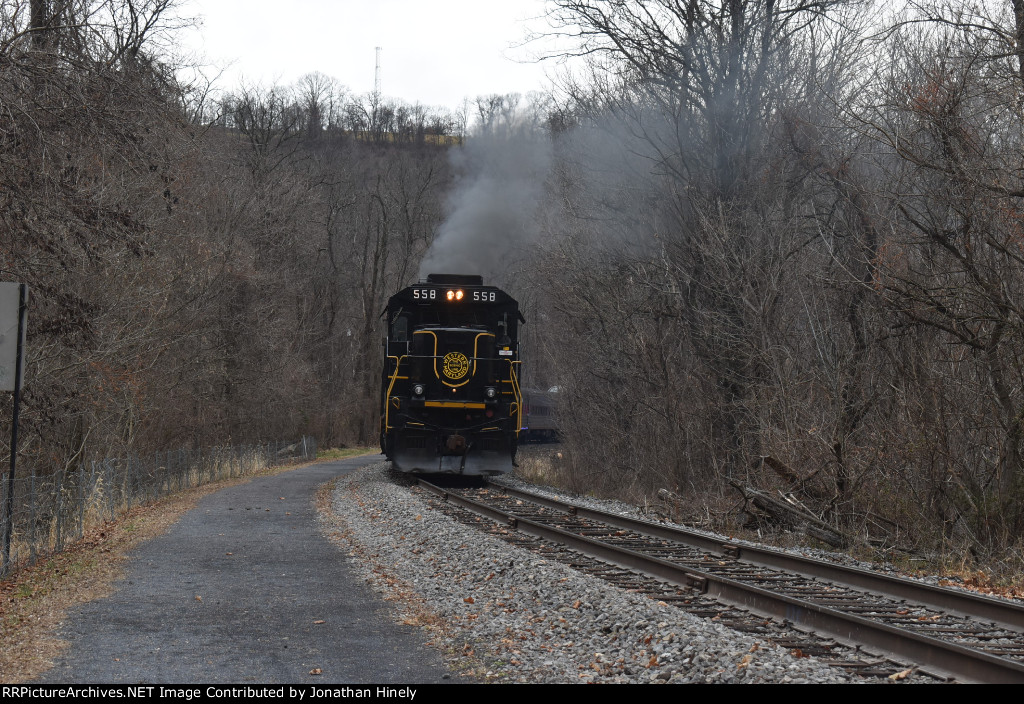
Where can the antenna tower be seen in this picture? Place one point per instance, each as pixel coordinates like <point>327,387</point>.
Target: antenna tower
<point>376,75</point>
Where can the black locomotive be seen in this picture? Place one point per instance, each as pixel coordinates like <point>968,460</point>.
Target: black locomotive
<point>450,396</point>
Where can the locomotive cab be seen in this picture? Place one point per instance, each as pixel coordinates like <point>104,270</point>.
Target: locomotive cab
<point>450,396</point>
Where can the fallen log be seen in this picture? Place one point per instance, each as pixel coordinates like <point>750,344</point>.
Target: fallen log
<point>804,484</point>
<point>788,514</point>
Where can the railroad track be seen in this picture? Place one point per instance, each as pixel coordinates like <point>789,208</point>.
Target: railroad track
<point>862,621</point>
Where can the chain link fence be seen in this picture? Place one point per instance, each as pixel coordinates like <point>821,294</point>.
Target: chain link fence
<point>55,510</point>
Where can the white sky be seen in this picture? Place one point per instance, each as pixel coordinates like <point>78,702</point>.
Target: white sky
<point>434,53</point>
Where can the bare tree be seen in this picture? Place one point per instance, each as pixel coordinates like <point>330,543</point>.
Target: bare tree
<point>950,261</point>
<point>697,95</point>
<point>316,93</point>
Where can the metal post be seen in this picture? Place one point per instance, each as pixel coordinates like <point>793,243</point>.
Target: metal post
<point>108,473</point>
<point>22,310</point>
<point>58,543</point>
<point>81,498</point>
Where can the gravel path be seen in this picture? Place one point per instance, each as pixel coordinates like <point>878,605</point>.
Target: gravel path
<point>245,589</point>
<point>504,614</point>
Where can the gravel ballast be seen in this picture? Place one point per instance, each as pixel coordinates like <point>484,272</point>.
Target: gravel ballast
<point>504,614</point>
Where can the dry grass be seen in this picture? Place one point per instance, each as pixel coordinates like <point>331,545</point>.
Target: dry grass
<point>541,464</point>
<point>34,600</point>
<point>103,501</point>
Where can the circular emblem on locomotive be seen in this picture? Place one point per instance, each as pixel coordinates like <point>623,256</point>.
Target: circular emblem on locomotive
<point>455,365</point>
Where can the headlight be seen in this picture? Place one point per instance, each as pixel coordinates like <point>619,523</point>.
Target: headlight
<point>417,389</point>
<point>490,392</point>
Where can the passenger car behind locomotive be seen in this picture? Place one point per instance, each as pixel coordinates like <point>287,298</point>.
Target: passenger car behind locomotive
<point>540,416</point>
<point>450,395</point>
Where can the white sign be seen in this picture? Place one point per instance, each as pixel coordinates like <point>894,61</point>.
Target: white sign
<point>10,303</point>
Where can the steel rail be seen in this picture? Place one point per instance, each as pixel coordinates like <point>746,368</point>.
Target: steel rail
<point>976,606</point>
<point>954,660</point>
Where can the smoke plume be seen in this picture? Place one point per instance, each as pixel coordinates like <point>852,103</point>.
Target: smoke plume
<point>492,209</point>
